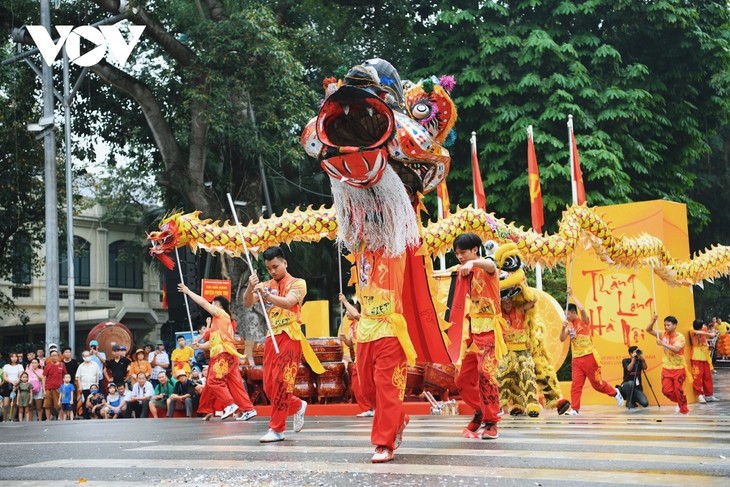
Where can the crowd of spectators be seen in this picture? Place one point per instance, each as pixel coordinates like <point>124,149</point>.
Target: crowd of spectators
<point>150,382</point>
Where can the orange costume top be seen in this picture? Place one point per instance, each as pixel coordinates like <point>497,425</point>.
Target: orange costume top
<point>484,312</point>
<point>671,360</point>
<point>700,350</point>
<point>379,289</point>
<point>289,321</point>
<point>582,343</point>
<point>515,332</point>
<point>220,335</point>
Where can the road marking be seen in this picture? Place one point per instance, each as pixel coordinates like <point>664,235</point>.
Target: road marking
<point>702,459</point>
<point>590,476</point>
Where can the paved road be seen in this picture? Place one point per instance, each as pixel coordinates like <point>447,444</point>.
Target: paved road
<point>603,446</point>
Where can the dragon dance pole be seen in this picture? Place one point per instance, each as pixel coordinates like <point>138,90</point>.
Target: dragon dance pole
<point>569,277</point>
<point>653,289</point>
<point>187,306</point>
<point>252,271</point>
<point>339,270</point>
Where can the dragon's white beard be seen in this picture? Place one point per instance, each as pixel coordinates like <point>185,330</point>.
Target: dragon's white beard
<point>380,217</point>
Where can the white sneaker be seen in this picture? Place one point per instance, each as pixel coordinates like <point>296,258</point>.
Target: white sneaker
<point>571,412</point>
<point>247,415</point>
<point>676,410</point>
<point>619,398</point>
<point>366,414</point>
<point>702,399</point>
<point>712,399</point>
<point>299,417</point>
<point>271,437</point>
<point>230,409</point>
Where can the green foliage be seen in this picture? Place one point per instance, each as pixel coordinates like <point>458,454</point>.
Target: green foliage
<point>22,203</point>
<point>646,83</point>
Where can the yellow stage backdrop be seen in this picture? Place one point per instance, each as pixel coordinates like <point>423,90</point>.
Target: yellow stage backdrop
<point>316,316</point>
<point>619,301</point>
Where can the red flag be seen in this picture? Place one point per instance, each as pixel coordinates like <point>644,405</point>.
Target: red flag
<point>580,190</point>
<point>533,178</point>
<point>442,193</point>
<point>480,197</point>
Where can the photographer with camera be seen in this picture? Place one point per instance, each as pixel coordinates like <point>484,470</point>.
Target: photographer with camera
<point>631,388</point>
<point>164,389</point>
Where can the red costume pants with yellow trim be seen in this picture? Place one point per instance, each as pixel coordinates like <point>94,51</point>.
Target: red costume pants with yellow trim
<point>702,378</point>
<point>586,367</point>
<point>357,391</point>
<point>673,387</point>
<point>477,379</point>
<point>223,386</point>
<point>381,368</point>
<point>280,373</point>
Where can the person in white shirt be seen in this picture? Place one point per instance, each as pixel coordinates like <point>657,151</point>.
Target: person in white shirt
<point>87,374</point>
<point>159,360</point>
<point>142,392</point>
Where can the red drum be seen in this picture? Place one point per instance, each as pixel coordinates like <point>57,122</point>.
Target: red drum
<point>108,334</point>
<point>414,380</point>
<point>440,377</point>
<point>304,387</point>
<point>327,349</point>
<point>331,383</point>
<point>258,353</point>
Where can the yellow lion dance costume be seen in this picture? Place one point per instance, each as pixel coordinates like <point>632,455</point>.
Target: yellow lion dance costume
<point>525,370</point>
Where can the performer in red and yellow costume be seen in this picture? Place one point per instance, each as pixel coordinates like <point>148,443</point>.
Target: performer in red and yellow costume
<point>223,386</point>
<point>482,344</point>
<point>381,141</point>
<point>674,366</point>
<point>283,296</point>
<point>585,364</point>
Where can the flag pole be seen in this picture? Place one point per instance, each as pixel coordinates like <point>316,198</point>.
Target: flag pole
<point>538,267</point>
<point>441,213</point>
<point>573,186</point>
<point>473,141</point>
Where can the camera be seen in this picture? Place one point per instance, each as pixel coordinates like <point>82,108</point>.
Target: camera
<point>637,351</point>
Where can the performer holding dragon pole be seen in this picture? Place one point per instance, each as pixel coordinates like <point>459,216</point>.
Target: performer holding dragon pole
<point>283,295</point>
<point>223,387</point>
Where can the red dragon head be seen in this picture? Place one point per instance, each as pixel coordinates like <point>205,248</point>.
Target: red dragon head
<point>167,239</point>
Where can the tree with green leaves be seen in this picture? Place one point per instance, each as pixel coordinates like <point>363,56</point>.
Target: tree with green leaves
<point>646,82</point>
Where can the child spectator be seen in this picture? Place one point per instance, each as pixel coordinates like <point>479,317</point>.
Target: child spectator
<point>702,362</point>
<point>35,376</point>
<point>25,397</point>
<point>95,402</point>
<point>673,363</point>
<point>113,408</point>
<point>66,400</point>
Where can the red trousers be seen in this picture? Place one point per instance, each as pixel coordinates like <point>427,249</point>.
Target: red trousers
<point>280,373</point>
<point>673,387</point>
<point>477,379</point>
<point>587,367</point>
<point>382,370</point>
<point>357,391</point>
<point>702,378</point>
<point>223,386</point>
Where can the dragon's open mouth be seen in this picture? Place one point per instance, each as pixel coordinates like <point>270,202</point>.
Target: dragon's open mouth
<point>354,125</point>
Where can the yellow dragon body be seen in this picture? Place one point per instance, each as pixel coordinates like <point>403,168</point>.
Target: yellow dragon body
<point>579,224</point>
